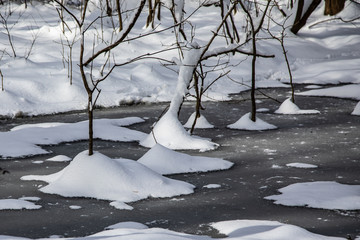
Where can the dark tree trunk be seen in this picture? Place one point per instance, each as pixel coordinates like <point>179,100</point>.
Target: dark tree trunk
<point>333,7</point>
<point>253,82</point>
<point>91,125</point>
<point>300,21</point>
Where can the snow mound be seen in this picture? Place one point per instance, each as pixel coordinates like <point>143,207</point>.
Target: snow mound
<point>169,132</point>
<point>122,180</point>
<point>288,107</point>
<point>234,229</point>
<point>132,225</point>
<point>265,230</point>
<point>324,195</point>
<point>356,110</point>
<point>166,161</point>
<point>245,123</point>
<point>201,122</point>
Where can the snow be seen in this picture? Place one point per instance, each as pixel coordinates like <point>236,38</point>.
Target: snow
<point>347,91</point>
<point>132,225</point>
<point>59,158</point>
<point>18,204</point>
<point>245,123</point>
<point>167,161</point>
<point>322,194</point>
<point>213,185</point>
<point>36,82</point>
<point>39,84</point>
<point>301,165</point>
<point>201,122</point>
<point>169,126</point>
<point>265,230</point>
<point>121,205</point>
<point>356,109</point>
<point>17,143</point>
<point>233,229</point>
<point>101,177</point>
<point>288,107</point>
<point>75,207</point>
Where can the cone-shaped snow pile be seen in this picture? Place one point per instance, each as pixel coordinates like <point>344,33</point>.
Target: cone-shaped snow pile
<point>100,177</point>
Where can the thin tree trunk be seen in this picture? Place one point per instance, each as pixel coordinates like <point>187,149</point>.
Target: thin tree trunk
<point>119,15</point>
<point>289,70</point>
<point>253,81</point>
<point>91,125</point>
<point>2,81</point>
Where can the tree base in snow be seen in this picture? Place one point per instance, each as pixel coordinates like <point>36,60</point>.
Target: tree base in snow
<point>288,107</point>
<point>245,123</point>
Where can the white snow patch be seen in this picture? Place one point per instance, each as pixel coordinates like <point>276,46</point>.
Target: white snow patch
<point>121,205</point>
<point>24,140</point>
<point>17,204</point>
<point>323,194</point>
<point>276,166</point>
<point>245,123</point>
<point>301,165</point>
<point>75,207</point>
<point>33,199</point>
<point>288,107</point>
<point>347,91</point>
<point>166,161</point>
<point>213,185</point>
<point>59,158</point>
<point>262,110</point>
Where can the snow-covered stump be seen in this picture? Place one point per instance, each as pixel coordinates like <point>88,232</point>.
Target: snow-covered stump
<point>201,122</point>
<point>168,131</point>
<point>288,107</point>
<point>245,123</point>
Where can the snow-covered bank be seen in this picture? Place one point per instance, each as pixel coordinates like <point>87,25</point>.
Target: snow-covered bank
<point>36,81</point>
<point>234,230</point>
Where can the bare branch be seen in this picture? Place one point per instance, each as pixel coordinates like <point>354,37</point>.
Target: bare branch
<point>120,40</point>
<point>334,19</point>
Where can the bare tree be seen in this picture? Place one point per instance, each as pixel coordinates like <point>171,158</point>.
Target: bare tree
<point>200,89</point>
<point>8,26</point>
<point>281,39</point>
<point>90,82</point>
<point>191,56</point>
<point>255,28</point>
<point>4,22</point>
